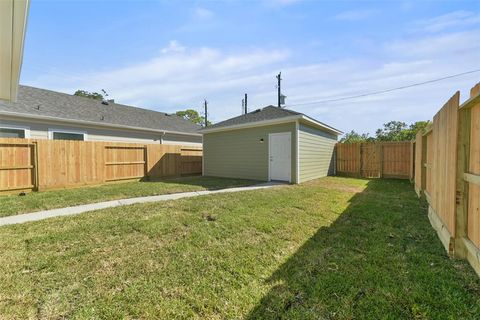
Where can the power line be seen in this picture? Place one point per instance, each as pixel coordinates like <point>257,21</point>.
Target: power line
<point>384,91</point>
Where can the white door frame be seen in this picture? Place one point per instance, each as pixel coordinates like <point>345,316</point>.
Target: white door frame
<point>268,158</point>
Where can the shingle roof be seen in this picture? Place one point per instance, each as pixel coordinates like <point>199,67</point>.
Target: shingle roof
<point>267,113</point>
<point>40,102</point>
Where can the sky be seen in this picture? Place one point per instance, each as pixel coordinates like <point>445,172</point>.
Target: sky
<point>171,55</point>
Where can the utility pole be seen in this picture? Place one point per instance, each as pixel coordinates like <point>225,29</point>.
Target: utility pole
<point>243,106</point>
<point>279,78</point>
<point>206,112</point>
<point>246,104</point>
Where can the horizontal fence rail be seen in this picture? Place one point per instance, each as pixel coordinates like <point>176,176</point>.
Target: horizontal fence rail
<point>375,160</point>
<point>18,163</point>
<point>447,174</point>
<point>27,164</point>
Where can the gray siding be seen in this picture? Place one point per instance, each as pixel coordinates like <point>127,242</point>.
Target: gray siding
<point>241,154</point>
<point>39,130</point>
<point>181,139</point>
<point>316,152</point>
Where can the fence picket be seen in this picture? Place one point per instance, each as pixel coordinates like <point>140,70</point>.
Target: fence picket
<point>375,160</point>
<point>27,164</point>
<point>450,149</point>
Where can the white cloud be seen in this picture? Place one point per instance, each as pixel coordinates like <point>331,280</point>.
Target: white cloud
<point>179,77</point>
<point>199,19</point>
<point>280,3</point>
<point>447,21</point>
<point>355,15</point>
<point>176,77</point>
<point>448,44</point>
<point>202,13</point>
<point>173,46</point>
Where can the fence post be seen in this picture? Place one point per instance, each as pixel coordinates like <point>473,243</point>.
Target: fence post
<point>178,164</point>
<point>360,165</point>
<point>423,163</point>
<point>35,166</point>
<point>380,157</point>
<point>463,157</point>
<point>412,161</point>
<point>145,158</point>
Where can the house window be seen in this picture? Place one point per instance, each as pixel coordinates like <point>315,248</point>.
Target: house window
<point>12,133</point>
<point>68,136</point>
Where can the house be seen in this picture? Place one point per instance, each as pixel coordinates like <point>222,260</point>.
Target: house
<point>269,144</point>
<point>13,21</point>
<point>45,114</point>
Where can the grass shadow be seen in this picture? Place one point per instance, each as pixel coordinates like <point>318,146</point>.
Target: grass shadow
<point>208,183</point>
<point>379,260</point>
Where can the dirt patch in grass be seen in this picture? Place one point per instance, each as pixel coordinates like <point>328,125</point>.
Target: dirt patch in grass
<point>346,188</point>
<point>340,184</point>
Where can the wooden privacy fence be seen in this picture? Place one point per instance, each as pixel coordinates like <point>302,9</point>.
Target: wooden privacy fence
<point>47,164</point>
<point>375,160</point>
<point>447,172</point>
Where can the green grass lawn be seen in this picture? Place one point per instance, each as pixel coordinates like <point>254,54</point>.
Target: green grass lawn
<point>37,201</point>
<point>334,248</point>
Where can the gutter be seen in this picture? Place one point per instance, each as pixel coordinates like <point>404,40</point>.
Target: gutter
<point>331,129</point>
<point>251,124</point>
<point>91,123</point>
<point>273,122</point>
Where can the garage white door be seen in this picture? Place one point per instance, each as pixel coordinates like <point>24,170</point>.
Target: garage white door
<point>280,156</point>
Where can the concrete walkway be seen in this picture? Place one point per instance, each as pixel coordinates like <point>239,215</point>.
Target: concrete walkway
<point>68,211</point>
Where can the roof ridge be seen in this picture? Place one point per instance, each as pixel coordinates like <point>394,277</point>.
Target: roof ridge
<point>90,100</point>
<point>59,92</point>
<point>266,115</point>
<point>64,106</point>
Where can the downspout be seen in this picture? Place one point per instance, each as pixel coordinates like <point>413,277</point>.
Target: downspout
<point>161,137</point>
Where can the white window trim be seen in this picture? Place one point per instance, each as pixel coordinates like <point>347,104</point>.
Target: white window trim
<point>52,130</point>
<point>25,129</point>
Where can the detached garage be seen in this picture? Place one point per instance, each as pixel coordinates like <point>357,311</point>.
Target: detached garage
<point>269,144</point>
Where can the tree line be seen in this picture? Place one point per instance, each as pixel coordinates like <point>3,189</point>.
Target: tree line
<point>391,131</point>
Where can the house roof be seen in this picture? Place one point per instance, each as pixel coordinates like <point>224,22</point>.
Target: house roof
<point>34,102</point>
<point>265,116</point>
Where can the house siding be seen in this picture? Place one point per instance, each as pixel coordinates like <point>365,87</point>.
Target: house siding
<point>316,153</point>
<point>39,130</point>
<point>240,154</point>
